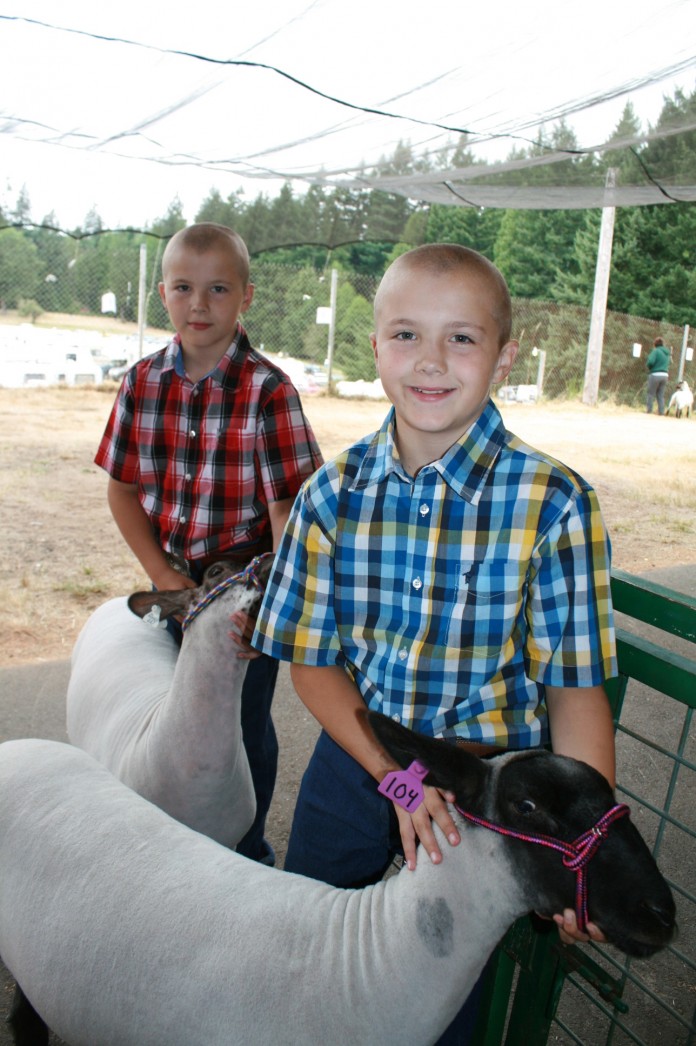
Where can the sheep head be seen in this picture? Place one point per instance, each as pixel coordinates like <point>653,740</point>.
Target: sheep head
<point>252,579</point>
<point>536,793</point>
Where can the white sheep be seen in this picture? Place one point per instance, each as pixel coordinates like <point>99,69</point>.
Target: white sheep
<point>167,722</point>
<point>682,399</point>
<point>125,928</point>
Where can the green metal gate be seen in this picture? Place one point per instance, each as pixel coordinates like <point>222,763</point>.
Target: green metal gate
<point>540,991</point>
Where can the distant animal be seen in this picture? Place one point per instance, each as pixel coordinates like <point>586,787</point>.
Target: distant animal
<point>166,721</point>
<point>125,928</point>
<point>682,399</point>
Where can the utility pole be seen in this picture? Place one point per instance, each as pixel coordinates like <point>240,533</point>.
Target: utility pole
<point>332,328</point>
<point>682,358</point>
<point>593,365</point>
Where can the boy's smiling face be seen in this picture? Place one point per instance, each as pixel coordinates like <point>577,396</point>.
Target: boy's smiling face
<point>437,348</point>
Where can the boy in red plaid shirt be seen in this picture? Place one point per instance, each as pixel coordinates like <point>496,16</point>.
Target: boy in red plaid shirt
<point>206,447</point>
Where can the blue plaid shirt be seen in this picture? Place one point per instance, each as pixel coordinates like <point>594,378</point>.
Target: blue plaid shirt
<point>451,598</point>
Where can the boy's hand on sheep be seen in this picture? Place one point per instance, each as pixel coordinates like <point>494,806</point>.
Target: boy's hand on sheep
<point>569,933</point>
<point>241,633</point>
<point>418,825</point>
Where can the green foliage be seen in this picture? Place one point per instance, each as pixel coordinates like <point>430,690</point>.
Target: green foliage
<point>530,245</point>
<point>20,268</point>
<point>29,309</point>
<point>355,322</point>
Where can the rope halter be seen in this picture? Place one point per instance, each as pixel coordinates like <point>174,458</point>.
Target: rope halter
<point>576,855</point>
<point>246,576</point>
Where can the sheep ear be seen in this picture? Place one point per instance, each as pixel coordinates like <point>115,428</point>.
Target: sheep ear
<point>177,602</point>
<point>450,768</point>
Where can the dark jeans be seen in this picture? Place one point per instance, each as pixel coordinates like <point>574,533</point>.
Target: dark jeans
<point>346,834</point>
<point>261,746</point>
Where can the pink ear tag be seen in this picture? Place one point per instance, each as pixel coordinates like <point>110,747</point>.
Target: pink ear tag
<point>405,787</point>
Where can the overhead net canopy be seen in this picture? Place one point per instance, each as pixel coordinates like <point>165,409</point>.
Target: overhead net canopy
<point>524,110</point>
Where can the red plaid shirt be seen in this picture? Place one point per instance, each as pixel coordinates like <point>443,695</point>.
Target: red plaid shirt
<point>209,457</point>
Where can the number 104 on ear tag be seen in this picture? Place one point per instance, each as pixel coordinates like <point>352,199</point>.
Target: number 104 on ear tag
<point>405,787</point>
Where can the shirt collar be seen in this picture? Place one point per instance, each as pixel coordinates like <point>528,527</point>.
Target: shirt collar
<point>464,467</point>
<point>227,370</point>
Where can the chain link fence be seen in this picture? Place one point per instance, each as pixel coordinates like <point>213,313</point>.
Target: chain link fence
<point>52,283</point>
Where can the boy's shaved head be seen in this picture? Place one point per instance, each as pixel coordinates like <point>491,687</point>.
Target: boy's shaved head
<point>207,235</point>
<point>451,258</point>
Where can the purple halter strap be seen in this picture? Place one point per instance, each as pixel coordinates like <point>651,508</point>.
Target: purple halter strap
<point>576,855</point>
<point>248,574</point>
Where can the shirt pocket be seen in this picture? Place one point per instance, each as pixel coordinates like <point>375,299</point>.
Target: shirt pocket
<point>229,462</point>
<point>490,607</point>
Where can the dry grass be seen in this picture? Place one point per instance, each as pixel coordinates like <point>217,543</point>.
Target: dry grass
<point>62,555</point>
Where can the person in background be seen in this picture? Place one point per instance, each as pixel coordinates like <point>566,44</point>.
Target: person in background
<point>206,447</point>
<point>442,572</point>
<point>658,371</point>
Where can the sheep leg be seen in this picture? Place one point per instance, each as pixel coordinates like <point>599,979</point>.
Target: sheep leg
<point>28,1029</point>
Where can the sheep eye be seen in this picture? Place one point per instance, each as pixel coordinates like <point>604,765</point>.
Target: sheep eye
<point>214,571</point>
<point>526,806</point>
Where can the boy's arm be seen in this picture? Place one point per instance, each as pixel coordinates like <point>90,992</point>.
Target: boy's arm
<point>134,524</point>
<point>581,726</point>
<point>335,701</point>
<point>278,513</point>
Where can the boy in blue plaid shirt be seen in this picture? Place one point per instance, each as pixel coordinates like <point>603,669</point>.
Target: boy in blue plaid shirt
<point>439,571</point>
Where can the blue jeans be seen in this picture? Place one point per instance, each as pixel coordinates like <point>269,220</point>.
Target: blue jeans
<point>261,743</point>
<point>346,834</point>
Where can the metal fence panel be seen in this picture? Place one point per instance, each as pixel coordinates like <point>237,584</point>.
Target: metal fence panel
<point>540,991</point>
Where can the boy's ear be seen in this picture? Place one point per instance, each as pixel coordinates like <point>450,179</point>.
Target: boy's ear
<point>160,288</point>
<point>506,358</point>
<point>248,297</point>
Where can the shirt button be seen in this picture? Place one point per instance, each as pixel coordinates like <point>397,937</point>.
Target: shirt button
<point>417,583</point>
<point>396,717</point>
<point>403,654</point>
<point>187,477</point>
<point>192,432</point>
<point>424,510</point>
<point>183,519</point>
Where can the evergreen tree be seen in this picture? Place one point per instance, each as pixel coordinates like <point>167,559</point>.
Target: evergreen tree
<point>55,250</point>
<point>170,222</point>
<point>223,212</point>
<point>254,225</point>
<point>20,268</point>
<point>22,209</point>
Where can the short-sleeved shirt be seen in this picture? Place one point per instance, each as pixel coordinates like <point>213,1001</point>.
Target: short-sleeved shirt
<point>452,598</point>
<point>208,457</point>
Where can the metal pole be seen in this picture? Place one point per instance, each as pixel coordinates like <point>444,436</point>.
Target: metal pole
<point>332,329</point>
<point>593,366</point>
<point>142,299</point>
<point>540,373</point>
<point>682,358</point>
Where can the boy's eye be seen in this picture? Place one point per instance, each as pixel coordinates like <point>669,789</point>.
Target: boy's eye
<point>181,287</point>
<point>462,339</point>
<point>219,288</point>
<point>405,336</point>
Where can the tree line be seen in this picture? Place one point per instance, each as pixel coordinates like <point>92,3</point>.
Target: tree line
<point>545,255</point>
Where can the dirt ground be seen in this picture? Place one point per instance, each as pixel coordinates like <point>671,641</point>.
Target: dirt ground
<point>62,555</point>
